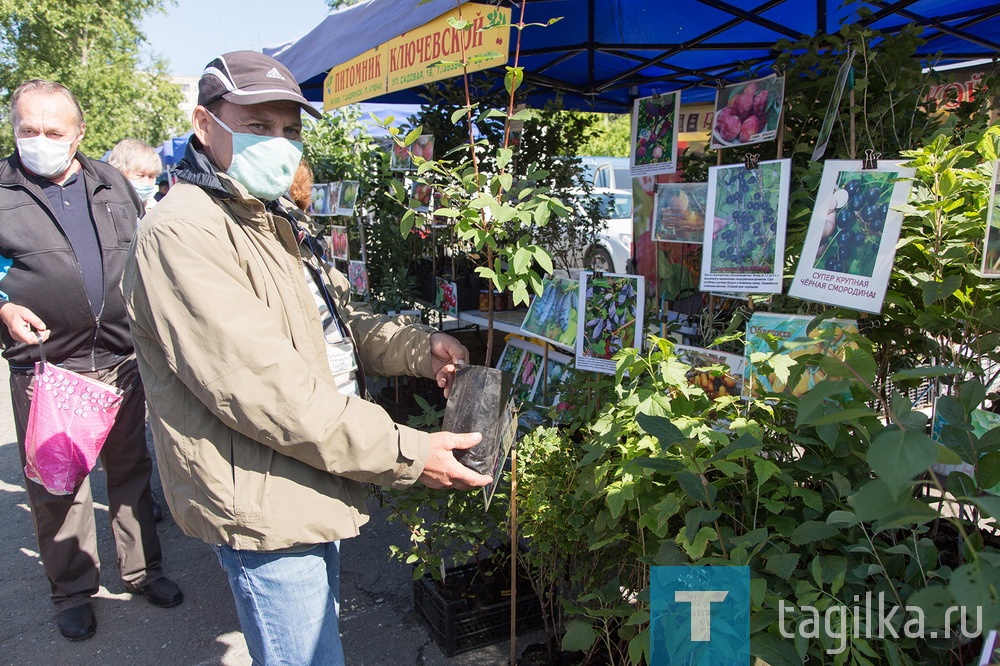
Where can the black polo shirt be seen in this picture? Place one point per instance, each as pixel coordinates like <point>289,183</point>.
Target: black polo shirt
<point>72,208</point>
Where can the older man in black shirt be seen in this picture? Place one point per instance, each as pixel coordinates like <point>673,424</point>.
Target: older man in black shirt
<point>65,226</point>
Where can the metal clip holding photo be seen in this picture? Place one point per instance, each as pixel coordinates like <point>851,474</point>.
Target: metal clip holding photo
<point>751,161</point>
<point>870,161</point>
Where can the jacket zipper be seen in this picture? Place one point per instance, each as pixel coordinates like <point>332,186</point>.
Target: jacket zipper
<point>97,319</point>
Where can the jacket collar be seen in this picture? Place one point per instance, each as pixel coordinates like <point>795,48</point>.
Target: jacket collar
<point>197,169</point>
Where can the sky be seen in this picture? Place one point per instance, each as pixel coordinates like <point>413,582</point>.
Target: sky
<point>193,32</point>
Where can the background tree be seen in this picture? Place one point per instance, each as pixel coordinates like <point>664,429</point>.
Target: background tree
<point>610,134</point>
<point>92,47</point>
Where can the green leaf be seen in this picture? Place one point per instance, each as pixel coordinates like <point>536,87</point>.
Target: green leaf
<point>406,223</point>
<point>661,464</point>
<point>457,114</point>
<point>413,135</point>
<point>694,486</point>
<point>939,291</point>
<point>813,530</point>
<point>783,565</point>
<point>744,444</point>
<point>934,600</point>
<point>873,501</point>
<point>812,401</point>
<point>697,517</point>
<point>544,260</point>
<point>921,373</point>
<point>898,456</point>
<point>512,79</point>
<point>503,159</point>
<point>988,470</point>
<point>989,504</point>
<point>765,469</point>
<point>579,636</point>
<point>841,415</point>
<point>842,518</point>
<point>665,432</point>
<point>773,650</point>
<point>696,548</point>
<point>976,584</point>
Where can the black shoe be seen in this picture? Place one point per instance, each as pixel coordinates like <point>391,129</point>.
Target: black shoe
<point>161,592</point>
<point>78,623</point>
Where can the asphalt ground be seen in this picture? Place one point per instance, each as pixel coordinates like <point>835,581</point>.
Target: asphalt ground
<point>378,624</point>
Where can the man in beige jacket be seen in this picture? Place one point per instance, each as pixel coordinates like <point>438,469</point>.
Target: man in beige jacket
<point>249,351</point>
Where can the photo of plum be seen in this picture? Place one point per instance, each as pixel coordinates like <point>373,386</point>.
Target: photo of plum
<point>654,137</point>
<point>855,218</point>
<point>610,312</point>
<point>744,231</point>
<point>748,112</point>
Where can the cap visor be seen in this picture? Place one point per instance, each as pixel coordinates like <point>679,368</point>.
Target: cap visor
<point>245,98</point>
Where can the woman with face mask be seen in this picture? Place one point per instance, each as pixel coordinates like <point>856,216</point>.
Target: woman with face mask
<point>140,164</point>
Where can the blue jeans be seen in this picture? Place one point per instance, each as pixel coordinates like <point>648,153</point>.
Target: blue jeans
<point>287,603</point>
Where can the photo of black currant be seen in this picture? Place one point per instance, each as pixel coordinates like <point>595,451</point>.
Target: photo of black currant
<point>746,207</point>
<point>853,229</point>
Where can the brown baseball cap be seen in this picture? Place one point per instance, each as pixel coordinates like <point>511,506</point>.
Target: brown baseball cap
<point>249,77</point>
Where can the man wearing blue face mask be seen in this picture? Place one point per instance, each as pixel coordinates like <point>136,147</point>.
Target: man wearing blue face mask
<point>253,358</point>
<point>65,226</point>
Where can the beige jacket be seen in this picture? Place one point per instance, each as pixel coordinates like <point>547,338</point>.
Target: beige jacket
<point>256,447</point>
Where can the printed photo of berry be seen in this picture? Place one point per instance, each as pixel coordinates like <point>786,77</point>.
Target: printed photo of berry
<point>610,318</point>
<point>446,298</point>
<point>654,135</point>
<point>748,112</point>
<point>338,243</point>
<point>855,218</point>
<point>357,274</point>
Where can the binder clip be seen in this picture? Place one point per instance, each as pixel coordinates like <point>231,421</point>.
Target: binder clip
<point>598,275</point>
<point>750,161</point>
<point>870,162</point>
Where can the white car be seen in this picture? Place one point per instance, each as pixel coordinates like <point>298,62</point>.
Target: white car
<point>611,251</point>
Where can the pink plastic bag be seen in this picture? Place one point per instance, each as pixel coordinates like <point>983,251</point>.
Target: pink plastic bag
<point>70,418</point>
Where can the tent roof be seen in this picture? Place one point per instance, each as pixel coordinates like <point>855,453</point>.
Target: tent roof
<point>603,53</point>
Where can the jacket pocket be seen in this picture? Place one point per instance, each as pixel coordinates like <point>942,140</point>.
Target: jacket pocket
<point>121,218</point>
<point>251,464</point>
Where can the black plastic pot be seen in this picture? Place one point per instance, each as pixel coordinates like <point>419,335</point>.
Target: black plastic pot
<point>478,403</point>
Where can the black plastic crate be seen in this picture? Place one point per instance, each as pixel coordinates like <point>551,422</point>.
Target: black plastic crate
<point>462,624</point>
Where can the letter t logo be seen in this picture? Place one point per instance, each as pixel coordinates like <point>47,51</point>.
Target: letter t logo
<point>701,610</point>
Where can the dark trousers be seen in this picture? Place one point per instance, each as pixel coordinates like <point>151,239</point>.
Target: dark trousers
<point>64,524</point>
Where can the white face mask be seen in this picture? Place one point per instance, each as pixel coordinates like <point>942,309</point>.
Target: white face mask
<point>43,156</point>
<point>142,189</point>
<point>265,165</point>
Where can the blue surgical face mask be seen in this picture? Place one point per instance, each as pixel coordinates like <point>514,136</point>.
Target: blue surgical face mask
<point>144,191</point>
<point>265,165</point>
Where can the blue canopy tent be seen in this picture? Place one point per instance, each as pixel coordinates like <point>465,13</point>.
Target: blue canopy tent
<point>604,53</point>
<point>172,150</point>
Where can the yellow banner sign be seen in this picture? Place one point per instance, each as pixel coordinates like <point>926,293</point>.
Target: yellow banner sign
<point>357,79</point>
<point>432,52</point>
